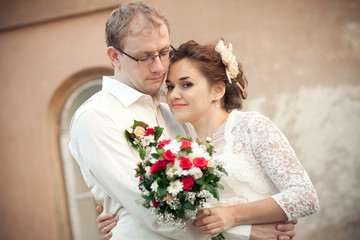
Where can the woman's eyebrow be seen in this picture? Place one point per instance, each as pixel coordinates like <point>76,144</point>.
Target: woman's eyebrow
<point>180,79</point>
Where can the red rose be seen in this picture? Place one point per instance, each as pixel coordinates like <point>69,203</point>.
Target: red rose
<point>185,163</point>
<point>169,156</point>
<point>142,125</point>
<point>155,203</point>
<point>163,143</point>
<point>150,131</point>
<point>185,144</point>
<point>140,179</point>
<point>157,166</point>
<point>188,182</point>
<point>200,162</point>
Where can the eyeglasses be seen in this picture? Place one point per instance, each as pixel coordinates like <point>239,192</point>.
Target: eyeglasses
<point>164,56</point>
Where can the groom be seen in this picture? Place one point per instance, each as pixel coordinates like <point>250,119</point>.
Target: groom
<point>137,37</point>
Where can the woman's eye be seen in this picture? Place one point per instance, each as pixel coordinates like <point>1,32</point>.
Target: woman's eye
<point>187,85</point>
<point>169,87</point>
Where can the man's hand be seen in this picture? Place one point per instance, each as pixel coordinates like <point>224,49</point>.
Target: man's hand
<point>106,222</point>
<point>273,231</point>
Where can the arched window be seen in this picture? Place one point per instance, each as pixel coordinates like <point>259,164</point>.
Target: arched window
<point>75,198</point>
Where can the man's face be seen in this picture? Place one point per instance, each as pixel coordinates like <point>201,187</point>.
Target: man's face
<point>147,42</point>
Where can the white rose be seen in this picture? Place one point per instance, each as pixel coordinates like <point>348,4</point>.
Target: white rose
<point>139,131</point>
<point>197,173</point>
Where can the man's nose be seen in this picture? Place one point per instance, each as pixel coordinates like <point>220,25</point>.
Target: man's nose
<point>158,65</point>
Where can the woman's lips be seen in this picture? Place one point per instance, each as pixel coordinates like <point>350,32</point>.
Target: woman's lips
<point>178,105</point>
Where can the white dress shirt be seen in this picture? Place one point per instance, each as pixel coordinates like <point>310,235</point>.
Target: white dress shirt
<point>107,161</point>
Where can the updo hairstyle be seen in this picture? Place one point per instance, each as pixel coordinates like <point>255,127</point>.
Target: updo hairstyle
<point>210,64</point>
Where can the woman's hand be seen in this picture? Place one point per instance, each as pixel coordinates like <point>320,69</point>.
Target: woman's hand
<point>214,220</point>
<point>106,222</point>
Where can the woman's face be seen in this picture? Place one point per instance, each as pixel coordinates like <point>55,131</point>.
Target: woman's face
<point>189,94</point>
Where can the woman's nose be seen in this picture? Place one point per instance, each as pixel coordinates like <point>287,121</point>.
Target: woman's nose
<point>175,93</point>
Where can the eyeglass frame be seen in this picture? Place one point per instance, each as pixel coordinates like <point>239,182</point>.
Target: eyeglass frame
<point>152,57</point>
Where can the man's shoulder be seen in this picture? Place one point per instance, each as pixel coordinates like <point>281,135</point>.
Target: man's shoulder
<point>99,101</point>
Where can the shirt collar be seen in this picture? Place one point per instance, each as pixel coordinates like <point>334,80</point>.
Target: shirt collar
<point>125,94</point>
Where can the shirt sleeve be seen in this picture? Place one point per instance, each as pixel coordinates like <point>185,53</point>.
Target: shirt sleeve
<point>297,196</point>
<point>100,147</point>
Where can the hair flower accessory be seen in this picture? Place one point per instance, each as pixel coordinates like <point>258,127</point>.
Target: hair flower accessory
<point>229,60</point>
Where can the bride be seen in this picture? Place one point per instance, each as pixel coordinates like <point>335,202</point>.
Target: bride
<point>266,182</point>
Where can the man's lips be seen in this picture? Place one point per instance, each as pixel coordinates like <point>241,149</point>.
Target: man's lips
<point>158,78</point>
<point>178,105</point>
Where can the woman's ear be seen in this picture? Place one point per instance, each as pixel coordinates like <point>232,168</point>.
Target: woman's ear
<point>219,90</point>
<point>113,55</point>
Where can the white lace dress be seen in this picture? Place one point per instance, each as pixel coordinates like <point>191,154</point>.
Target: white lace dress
<point>261,163</point>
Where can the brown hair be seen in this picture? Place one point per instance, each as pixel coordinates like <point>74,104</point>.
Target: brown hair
<point>211,66</point>
<point>118,25</point>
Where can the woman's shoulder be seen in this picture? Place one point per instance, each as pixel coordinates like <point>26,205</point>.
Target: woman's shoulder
<point>247,118</point>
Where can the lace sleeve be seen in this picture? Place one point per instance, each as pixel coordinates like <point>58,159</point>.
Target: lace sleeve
<point>297,196</point>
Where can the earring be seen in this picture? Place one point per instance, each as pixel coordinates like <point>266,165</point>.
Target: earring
<point>216,104</point>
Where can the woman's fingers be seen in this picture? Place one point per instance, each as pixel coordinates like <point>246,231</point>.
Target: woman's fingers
<point>99,208</point>
<point>106,222</point>
<point>108,236</point>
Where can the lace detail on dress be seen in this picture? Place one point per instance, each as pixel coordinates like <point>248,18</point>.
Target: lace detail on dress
<point>257,153</point>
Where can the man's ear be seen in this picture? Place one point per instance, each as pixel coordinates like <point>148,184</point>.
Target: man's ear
<point>219,90</point>
<point>113,55</point>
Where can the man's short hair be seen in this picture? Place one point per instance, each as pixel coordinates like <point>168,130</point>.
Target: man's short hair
<point>118,25</point>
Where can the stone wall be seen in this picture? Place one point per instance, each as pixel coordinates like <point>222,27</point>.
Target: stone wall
<point>302,60</point>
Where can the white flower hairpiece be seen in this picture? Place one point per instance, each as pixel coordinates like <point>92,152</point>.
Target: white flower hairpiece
<point>229,60</point>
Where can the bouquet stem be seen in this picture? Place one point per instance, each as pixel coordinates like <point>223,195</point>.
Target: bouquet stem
<point>220,236</point>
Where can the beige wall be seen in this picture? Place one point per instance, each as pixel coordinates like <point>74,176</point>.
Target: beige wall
<point>302,60</point>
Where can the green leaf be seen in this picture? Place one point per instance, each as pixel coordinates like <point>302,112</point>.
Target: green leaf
<point>137,123</point>
<point>138,174</point>
<point>168,166</point>
<point>210,150</point>
<point>158,132</point>
<point>156,156</point>
<point>213,191</point>
<point>188,205</point>
<point>209,178</point>
<point>181,196</point>
<point>142,152</point>
<point>147,185</point>
<point>127,135</point>
<point>224,171</point>
<point>219,185</point>
<point>161,192</point>
<point>220,236</point>
<point>200,181</point>
<point>160,151</point>
<point>149,198</point>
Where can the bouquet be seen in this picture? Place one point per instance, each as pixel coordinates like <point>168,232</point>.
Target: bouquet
<point>176,177</point>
